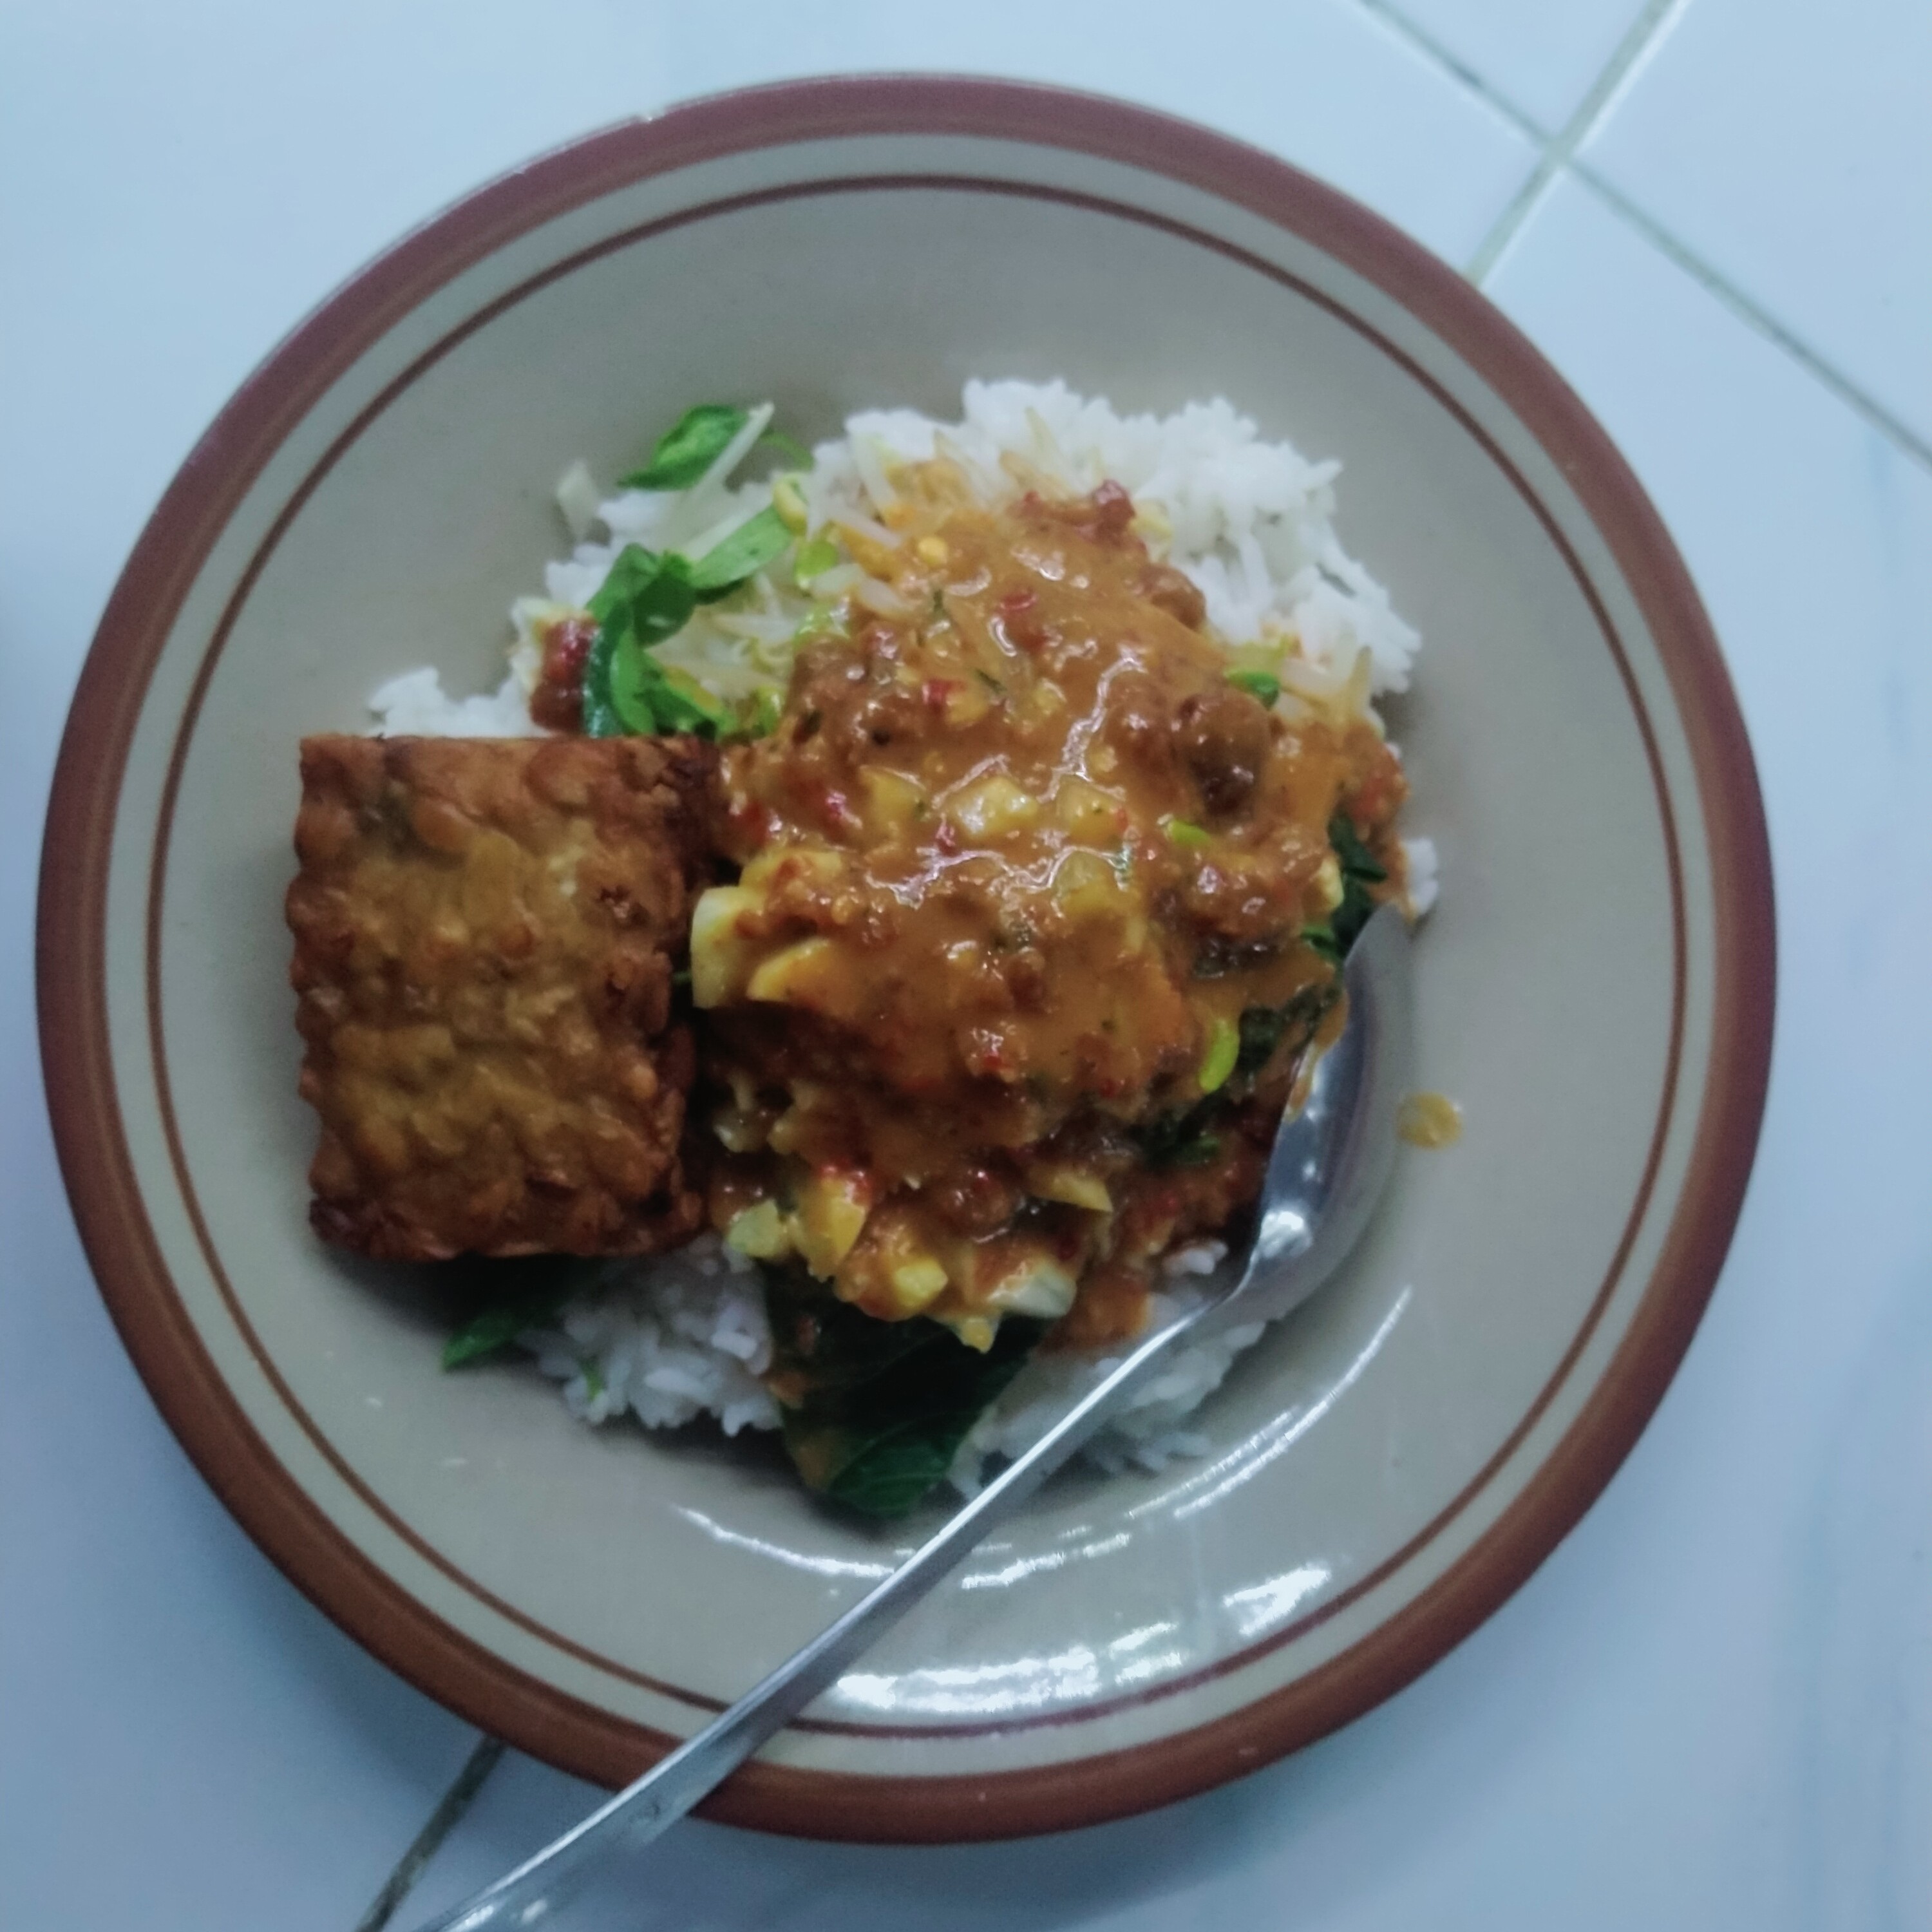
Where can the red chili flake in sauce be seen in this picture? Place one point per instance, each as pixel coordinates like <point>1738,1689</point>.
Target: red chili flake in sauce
<point>751,818</point>
<point>934,693</point>
<point>1019,622</point>
<point>557,703</point>
<point>566,645</point>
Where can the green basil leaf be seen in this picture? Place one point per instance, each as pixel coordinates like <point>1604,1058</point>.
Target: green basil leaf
<point>647,696</point>
<point>482,1335</point>
<point>633,679</point>
<point>600,715</point>
<point>514,1296</point>
<point>748,548</point>
<point>1359,871</point>
<point>1180,1137</point>
<point>1323,940</point>
<point>882,1406</point>
<point>662,606</point>
<point>643,599</point>
<point>1264,1028</point>
<point>1355,856</point>
<point>687,450</point>
<point>633,569</point>
<point>889,1471</point>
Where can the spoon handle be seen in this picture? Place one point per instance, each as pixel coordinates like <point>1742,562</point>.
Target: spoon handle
<point>674,1784</point>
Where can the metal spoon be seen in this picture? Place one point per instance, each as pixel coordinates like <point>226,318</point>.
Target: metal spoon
<point>1329,1165</point>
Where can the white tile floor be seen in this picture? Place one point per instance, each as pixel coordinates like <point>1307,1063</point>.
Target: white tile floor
<point>1713,1707</point>
<point>1788,145</point>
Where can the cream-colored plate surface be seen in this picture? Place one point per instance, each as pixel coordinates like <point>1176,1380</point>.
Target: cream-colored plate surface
<point>1595,990</point>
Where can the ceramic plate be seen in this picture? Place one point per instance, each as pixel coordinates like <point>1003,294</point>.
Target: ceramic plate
<point>1595,988</point>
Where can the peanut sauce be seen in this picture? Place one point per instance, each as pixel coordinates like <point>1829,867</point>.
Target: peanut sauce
<point>1016,863</point>
<point>1429,1120</point>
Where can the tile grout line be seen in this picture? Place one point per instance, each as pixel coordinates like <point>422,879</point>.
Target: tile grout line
<point>1419,37</point>
<point>1639,38</point>
<point>449,1811</point>
<point>1910,443</point>
<point>1425,42</point>
<point>1747,311</point>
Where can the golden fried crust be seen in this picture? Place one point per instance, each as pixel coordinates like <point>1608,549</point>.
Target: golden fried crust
<point>485,933</point>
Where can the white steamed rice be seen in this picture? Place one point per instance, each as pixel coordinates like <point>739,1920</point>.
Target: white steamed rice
<point>1251,522</point>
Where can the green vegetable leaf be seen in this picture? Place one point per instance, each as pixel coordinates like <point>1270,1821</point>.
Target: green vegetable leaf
<point>1264,1028</point>
<point>483,1334</point>
<point>1180,1137</point>
<point>693,444</point>
<point>600,715</point>
<point>648,696</point>
<point>748,549</point>
<point>643,599</point>
<point>873,1411</point>
<point>631,677</point>
<point>1359,871</point>
<point>1185,833</point>
<point>639,581</point>
<point>1261,1030</point>
<point>1357,859</point>
<point>1262,686</point>
<point>511,1297</point>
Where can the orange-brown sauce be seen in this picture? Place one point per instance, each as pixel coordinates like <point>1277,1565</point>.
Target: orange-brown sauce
<point>1429,1120</point>
<point>1017,862</point>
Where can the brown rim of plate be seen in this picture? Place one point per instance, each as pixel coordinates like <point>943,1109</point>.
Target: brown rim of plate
<point>106,1196</point>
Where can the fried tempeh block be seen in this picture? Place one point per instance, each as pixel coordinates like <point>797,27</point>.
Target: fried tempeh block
<point>485,931</point>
